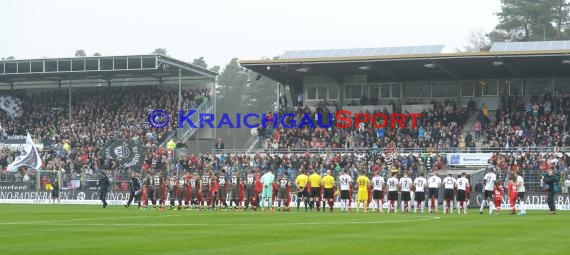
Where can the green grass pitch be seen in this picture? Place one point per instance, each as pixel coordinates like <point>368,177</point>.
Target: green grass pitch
<point>83,229</point>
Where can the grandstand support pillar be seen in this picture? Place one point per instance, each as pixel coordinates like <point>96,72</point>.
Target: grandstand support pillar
<point>197,143</point>
<point>69,103</point>
<point>278,96</point>
<point>215,81</point>
<point>179,99</point>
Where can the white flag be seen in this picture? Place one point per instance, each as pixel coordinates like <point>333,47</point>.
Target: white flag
<point>30,159</point>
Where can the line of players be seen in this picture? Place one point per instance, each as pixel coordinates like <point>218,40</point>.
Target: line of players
<point>405,187</point>
<point>192,191</point>
<point>493,193</point>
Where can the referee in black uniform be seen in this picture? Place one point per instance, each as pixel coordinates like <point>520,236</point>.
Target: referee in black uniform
<point>135,190</point>
<point>103,186</point>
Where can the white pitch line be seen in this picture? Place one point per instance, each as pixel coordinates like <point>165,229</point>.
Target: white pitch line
<point>80,219</point>
<point>226,224</point>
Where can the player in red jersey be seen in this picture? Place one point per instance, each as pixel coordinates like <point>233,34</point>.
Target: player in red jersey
<point>145,190</point>
<point>223,187</point>
<point>236,191</point>
<point>187,195</point>
<point>513,193</point>
<point>258,187</point>
<point>498,196</point>
<point>283,191</point>
<point>214,191</point>
<point>163,192</point>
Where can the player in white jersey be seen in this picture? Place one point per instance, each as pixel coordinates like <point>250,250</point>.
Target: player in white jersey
<point>448,193</point>
<point>377,191</point>
<point>521,189</point>
<point>393,192</point>
<point>419,195</point>
<point>345,181</point>
<point>462,185</point>
<point>406,188</point>
<point>434,182</point>
<point>489,182</point>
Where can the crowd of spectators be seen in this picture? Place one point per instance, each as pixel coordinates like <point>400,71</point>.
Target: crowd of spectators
<point>526,123</point>
<point>438,128</point>
<point>99,115</point>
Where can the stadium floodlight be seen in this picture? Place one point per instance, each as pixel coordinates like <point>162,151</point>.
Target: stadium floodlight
<point>430,65</point>
<point>364,68</point>
<point>303,70</point>
<point>498,63</point>
<point>268,68</point>
<point>566,61</point>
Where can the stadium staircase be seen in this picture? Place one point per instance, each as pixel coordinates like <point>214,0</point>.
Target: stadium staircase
<point>181,135</point>
<point>468,128</point>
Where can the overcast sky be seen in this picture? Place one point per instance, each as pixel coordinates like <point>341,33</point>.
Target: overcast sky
<point>221,29</point>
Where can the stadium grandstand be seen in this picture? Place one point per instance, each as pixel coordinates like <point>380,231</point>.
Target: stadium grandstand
<point>74,106</point>
<point>509,105</point>
<point>505,109</point>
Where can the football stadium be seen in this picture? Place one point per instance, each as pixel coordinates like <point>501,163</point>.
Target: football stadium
<point>102,154</point>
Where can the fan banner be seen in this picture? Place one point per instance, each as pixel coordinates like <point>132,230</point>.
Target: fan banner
<point>126,153</point>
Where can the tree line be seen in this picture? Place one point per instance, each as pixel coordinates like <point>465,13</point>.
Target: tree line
<point>523,21</point>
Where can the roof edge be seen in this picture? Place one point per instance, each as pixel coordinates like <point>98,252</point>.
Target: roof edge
<point>404,57</point>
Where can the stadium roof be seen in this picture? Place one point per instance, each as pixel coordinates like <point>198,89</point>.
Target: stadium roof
<point>86,70</point>
<point>513,64</point>
<point>360,52</point>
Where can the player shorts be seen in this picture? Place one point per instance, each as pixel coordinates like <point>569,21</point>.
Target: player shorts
<point>461,195</point>
<point>377,195</point>
<point>303,193</point>
<point>498,203</point>
<point>315,192</point>
<point>448,194</point>
<point>420,196</point>
<point>282,193</point>
<point>363,195</point>
<point>206,194</point>
<point>433,192</point>
<point>222,193</point>
<point>249,192</point>
<point>406,196</point>
<point>194,194</point>
<point>392,195</point>
<point>521,196</point>
<point>267,192</point>
<point>488,194</point>
<point>328,193</point>
<point>344,194</point>
<point>234,193</point>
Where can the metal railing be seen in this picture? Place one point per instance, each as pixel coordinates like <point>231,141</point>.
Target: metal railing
<point>397,150</point>
<point>184,133</point>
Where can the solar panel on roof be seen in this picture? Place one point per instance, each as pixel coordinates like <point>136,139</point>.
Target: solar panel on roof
<point>530,46</point>
<point>363,52</point>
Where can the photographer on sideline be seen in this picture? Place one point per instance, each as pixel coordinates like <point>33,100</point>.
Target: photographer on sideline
<point>552,181</point>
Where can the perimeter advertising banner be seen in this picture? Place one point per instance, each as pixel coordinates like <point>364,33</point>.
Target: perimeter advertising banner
<point>533,201</point>
<point>468,159</point>
<point>21,193</point>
